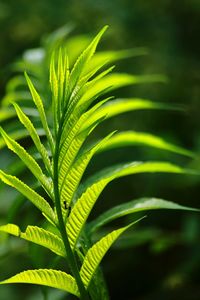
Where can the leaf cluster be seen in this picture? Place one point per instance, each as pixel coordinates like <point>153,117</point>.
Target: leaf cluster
<point>80,101</point>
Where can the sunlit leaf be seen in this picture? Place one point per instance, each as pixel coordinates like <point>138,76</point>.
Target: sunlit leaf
<point>119,106</point>
<point>34,135</point>
<point>103,57</point>
<point>84,59</point>
<point>39,104</point>
<point>76,172</point>
<point>134,138</point>
<point>95,185</point>
<point>46,277</point>
<point>38,236</point>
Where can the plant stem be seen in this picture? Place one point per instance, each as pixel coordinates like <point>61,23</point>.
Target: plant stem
<point>44,293</point>
<point>70,255</point>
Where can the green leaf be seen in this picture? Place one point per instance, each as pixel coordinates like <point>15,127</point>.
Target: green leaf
<point>38,236</point>
<point>135,167</point>
<point>54,89</point>
<point>104,57</point>
<point>44,238</point>
<point>20,134</point>
<point>91,74</point>
<point>131,207</point>
<point>16,135</point>
<point>119,106</point>
<point>75,45</point>
<point>76,171</point>
<point>71,142</point>
<point>95,185</point>
<point>82,87</point>
<point>38,102</point>
<point>134,138</point>
<point>74,122</point>
<point>71,131</point>
<point>96,253</point>
<point>11,229</point>
<point>34,197</point>
<point>46,277</point>
<point>28,160</point>
<point>35,137</point>
<point>84,58</point>
<point>59,81</point>
<point>114,81</point>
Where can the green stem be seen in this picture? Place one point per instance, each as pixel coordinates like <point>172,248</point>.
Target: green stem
<point>70,255</point>
<point>44,293</point>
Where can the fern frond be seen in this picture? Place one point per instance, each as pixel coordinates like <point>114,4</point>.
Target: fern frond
<point>77,90</point>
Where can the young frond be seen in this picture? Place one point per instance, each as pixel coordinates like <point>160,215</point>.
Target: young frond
<point>77,102</point>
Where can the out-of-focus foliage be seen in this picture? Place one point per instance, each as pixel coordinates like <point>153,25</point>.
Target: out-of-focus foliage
<point>170,30</point>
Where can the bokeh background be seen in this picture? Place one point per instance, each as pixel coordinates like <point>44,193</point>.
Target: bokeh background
<point>160,259</point>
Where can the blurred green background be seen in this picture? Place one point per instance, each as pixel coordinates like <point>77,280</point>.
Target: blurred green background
<point>161,258</point>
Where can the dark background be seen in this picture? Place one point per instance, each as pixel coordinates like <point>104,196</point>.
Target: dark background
<point>161,258</point>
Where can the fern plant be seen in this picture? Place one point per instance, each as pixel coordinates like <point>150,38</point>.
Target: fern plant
<point>79,105</point>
